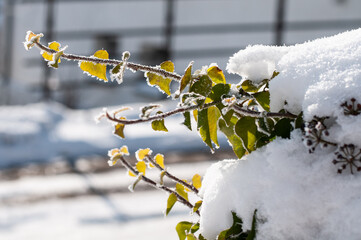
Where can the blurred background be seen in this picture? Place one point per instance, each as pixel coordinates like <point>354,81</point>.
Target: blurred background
<point>54,179</point>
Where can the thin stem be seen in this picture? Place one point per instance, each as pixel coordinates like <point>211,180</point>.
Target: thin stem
<point>158,186</point>
<point>160,116</point>
<point>114,62</point>
<point>174,178</point>
<point>251,113</point>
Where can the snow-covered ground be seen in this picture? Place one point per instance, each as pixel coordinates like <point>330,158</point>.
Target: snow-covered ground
<point>121,215</point>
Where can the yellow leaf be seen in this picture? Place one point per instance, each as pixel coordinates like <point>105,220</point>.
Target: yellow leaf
<point>161,82</point>
<point>141,167</point>
<point>197,181</point>
<point>113,151</point>
<point>141,153</point>
<point>216,74</point>
<point>96,69</point>
<point>131,174</point>
<point>124,150</point>
<point>48,56</point>
<point>30,35</point>
<point>181,191</point>
<point>31,38</point>
<point>159,159</point>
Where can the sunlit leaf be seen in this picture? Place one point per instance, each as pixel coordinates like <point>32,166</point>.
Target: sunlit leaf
<point>181,191</point>
<point>119,129</point>
<point>132,187</point>
<point>197,181</point>
<point>141,167</point>
<point>191,237</point>
<point>130,173</point>
<point>183,229</point>
<point>141,153</point>
<point>248,86</point>
<point>213,116</point>
<point>197,205</point>
<point>203,127</point>
<point>162,83</point>
<point>263,98</point>
<point>186,78</point>
<point>48,56</point>
<point>202,86</point>
<point>233,139</point>
<point>162,174</point>
<point>187,120</point>
<point>31,38</point>
<point>216,74</point>
<point>172,199</point>
<point>158,125</point>
<point>159,159</point>
<point>96,69</point>
<point>124,150</point>
<point>246,129</point>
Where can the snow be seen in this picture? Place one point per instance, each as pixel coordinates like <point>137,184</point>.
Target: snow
<point>44,132</point>
<point>298,195</point>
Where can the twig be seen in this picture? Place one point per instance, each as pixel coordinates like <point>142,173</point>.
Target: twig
<point>114,62</point>
<point>158,186</point>
<point>251,113</point>
<point>162,115</point>
<point>174,178</point>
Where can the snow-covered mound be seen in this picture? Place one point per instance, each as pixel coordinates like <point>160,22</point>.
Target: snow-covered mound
<point>298,195</point>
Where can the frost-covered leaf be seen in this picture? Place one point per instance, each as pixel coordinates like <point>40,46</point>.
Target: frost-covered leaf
<point>132,187</point>
<point>31,38</point>
<point>172,199</point>
<point>187,120</point>
<point>203,127</point>
<point>162,174</point>
<point>96,69</point>
<point>216,74</point>
<point>117,73</point>
<point>130,173</point>
<point>218,91</point>
<point>141,167</point>
<point>263,98</point>
<point>48,56</point>
<point>181,191</point>
<point>197,205</point>
<point>189,99</point>
<point>56,59</point>
<point>183,228</point>
<point>141,153</point>
<point>283,128</point>
<point>186,78</point>
<point>159,159</point>
<point>158,125</point>
<point>162,83</point>
<point>246,129</point>
<point>197,181</point>
<point>124,150</point>
<point>233,139</point>
<point>213,116</point>
<point>147,110</point>
<point>119,129</point>
<point>203,86</point>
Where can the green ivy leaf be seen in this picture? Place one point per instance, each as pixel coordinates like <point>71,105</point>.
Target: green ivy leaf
<point>181,191</point>
<point>119,130</point>
<point>246,129</point>
<point>162,83</point>
<point>158,125</point>
<point>197,205</point>
<point>203,86</point>
<point>213,116</point>
<point>187,120</point>
<point>216,75</point>
<point>248,86</point>
<point>172,199</point>
<point>218,91</point>
<point>233,139</point>
<point>299,121</point>
<point>235,232</point>
<point>203,127</point>
<point>263,98</point>
<point>191,237</point>
<point>283,128</point>
<point>186,78</point>
<point>253,231</point>
<point>183,229</point>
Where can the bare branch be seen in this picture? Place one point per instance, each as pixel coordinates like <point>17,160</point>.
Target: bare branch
<point>160,116</point>
<point>155,185</point>
<point>174,178</point>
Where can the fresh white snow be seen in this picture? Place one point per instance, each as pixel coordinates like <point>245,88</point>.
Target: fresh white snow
<point>298,195</point>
